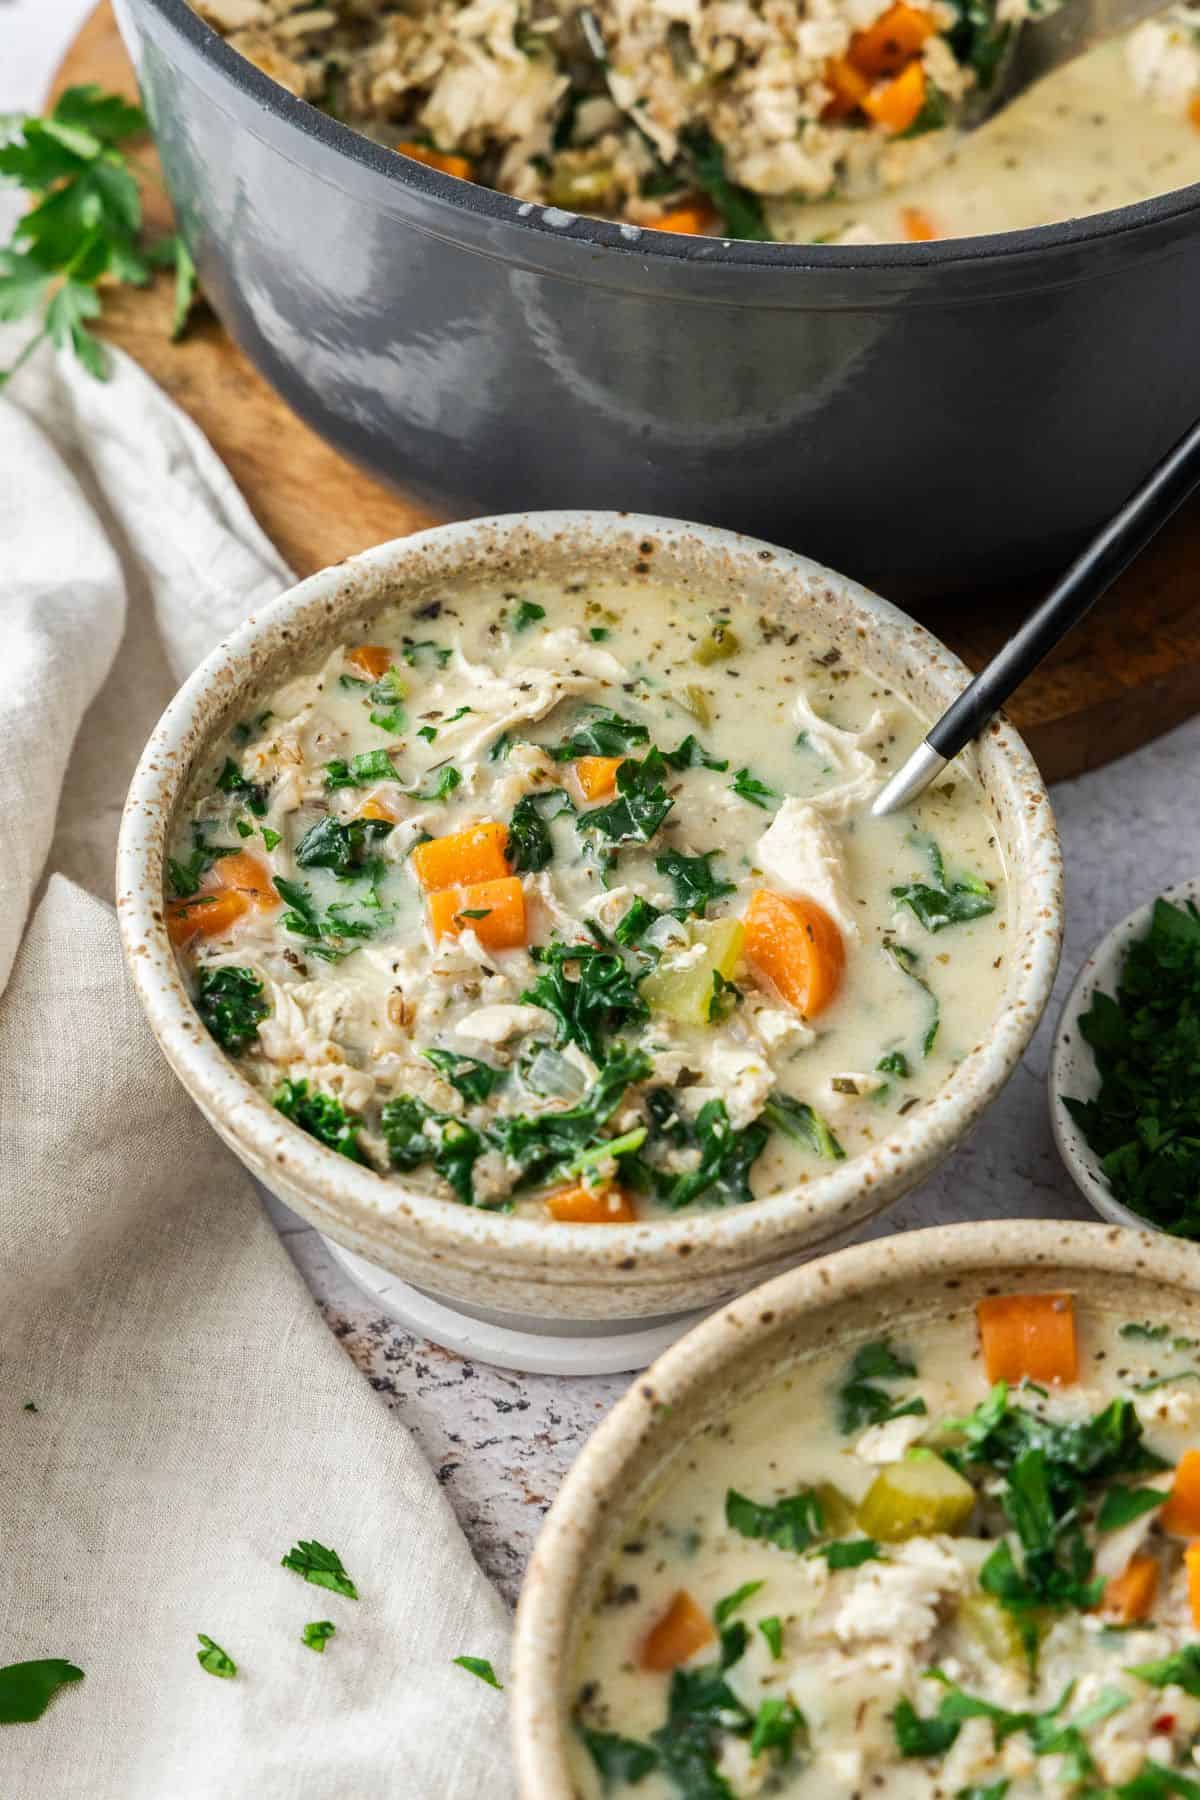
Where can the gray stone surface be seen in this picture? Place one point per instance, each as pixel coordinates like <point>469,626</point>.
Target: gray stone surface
<point>501,1443</point>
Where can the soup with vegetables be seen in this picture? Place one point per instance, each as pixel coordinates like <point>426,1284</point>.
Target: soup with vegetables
<point>953,1564</point>
<point>568,902</point>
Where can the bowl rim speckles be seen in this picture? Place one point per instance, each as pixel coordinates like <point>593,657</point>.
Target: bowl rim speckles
<point>1072,1071</point>
<point>908,1280</point>
<point>558,1271</point>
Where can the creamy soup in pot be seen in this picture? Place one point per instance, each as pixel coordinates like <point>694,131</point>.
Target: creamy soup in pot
<point>953,1563</point>
<point>568,902</point>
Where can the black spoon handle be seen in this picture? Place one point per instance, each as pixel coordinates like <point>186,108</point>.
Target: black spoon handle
<point>1088,577</point>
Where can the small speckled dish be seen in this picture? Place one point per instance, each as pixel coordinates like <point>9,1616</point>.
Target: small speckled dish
<point>524,1270</point>
<point>912,1280</point>
<point>1073,1069</point>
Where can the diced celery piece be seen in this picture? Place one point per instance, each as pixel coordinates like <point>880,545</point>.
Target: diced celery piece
<point>718,644</point>
<point>911,1498</point>
<point>579,186</point>
<point>994,1629</point>
<point>837,1512</point>
<point>686,994</point>
<point>694,700</point>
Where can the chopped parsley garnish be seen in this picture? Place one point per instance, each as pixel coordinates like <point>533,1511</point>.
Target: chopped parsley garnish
<point>371,765</point>
<point>747,787</point>
<point>618,1759</point>
<point>741,211</point>
<point>724,1610</point>
<point>213,1660</point>
<point>909,964</point>
<point>530,846</point>
<point>230,1002</point>
<point>384,696</point>
<point>1122,1505</point>
<point>473,1079</point>
<point>317,1634</point>
<point>545,1142</point>
<point>722,1174</point>
<point>798,1120</point>
<point>1047,1732</point>
<point>772,1630</point>
<point>793,1523</point>
<point>1047,1467</point>
<point>691,754</point>
<point>480,1667</point>
<point>587,990</point>
<point>860,1402</point>
<point>270,838</point>
<point>894,1063</point>
<point>244,828</point>
<point>426,650</point>
<point>428,732</point>
<point>634,923</point>
<point>599,633</point>
<point>1144,1123</point>
<point>850,1553</point>
<point>527,613</point>
<point>27,1688</point>
<point>327,933</point>
<point>1181,1669</point>
<point>641,806</point>
<point>451,1147</point>
<point>347,846</point>
<point>321,1115</point>
<point>232,781</point>
<point>694,882</point>
<point>938,903</point>
<point>701,1707</point>
<point>184,877</point>
<point>777,1723</point>
<point>448,778</point>
<point>607,734</point>
<point>320,1565</point>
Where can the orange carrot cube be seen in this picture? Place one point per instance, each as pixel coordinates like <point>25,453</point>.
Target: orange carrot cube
<point>1029,1337</point>
<point>683,1629</point>
<point>493,910</point>
<point>597,776</point>
<point>796,947</point>
<point>1130,1596</point>
<point>1181,1514</point>
<point>581,1205</point>
<point>896,104</point>
<point>476,854</point>
<point>373,659</point>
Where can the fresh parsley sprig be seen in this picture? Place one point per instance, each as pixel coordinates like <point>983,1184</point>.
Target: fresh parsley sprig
<point>84,226</point>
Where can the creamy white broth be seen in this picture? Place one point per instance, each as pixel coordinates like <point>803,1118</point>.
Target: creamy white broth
<point>856,1643</point>
<point>1081,141</point>
<point>352,1016</point>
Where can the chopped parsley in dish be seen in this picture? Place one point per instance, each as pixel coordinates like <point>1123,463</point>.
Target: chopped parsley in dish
<point>586,928</point>
<point>957,1563</point>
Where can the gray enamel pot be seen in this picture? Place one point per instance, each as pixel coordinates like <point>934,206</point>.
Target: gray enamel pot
<point>982,403</point>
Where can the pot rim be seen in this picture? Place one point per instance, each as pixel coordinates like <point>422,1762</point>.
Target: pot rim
<point>597,1484</point>
<point>344,1192</point>
<point>591,238</point>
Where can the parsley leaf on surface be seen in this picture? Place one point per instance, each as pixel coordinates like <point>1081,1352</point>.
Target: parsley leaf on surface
<point>634,923</point>
<point>939,903</point>
<point>726,1156</point>
<point>330,935</point>
<point>232,781</point>
<point>230,1002</point>
<point>777,1723</point>
<point>453,1148</point>
<point>544,1142</point>
<point>850,1553</point>
<point>726,1607</point>
<point>909,965</point>
<point>480,1667</point>
<point>1181,1669</point>
<point>344,845</point>
<point>694,882</point>
<point>1121,1505</point>
<point>317,1634</point>
<point>691,754</point>
<point>27,1688</point>
<point>772,1630</point>
<point>370,765</point>
<point>741,211</point>
<point>320,1565</point>
<point>321,1115</point>
<point>527,613</point>
<point>213,1660</point>
<point>792,1523</point>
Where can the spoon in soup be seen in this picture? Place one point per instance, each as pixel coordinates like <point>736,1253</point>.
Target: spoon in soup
<point>1073,596</point>
<point>1023,54</point>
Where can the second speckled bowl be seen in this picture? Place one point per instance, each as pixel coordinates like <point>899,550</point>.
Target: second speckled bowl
<point>518,1267</point>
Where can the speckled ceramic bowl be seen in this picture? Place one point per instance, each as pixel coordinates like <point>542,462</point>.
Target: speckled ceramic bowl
<point>1073,1069</point>
<point>909,1281</point>
<point>488,1261</point>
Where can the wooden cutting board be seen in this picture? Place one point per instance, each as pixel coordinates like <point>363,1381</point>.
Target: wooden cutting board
<point>1131,672</point>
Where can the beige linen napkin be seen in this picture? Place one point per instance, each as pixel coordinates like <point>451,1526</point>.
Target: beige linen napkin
<point>194,1417</point>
